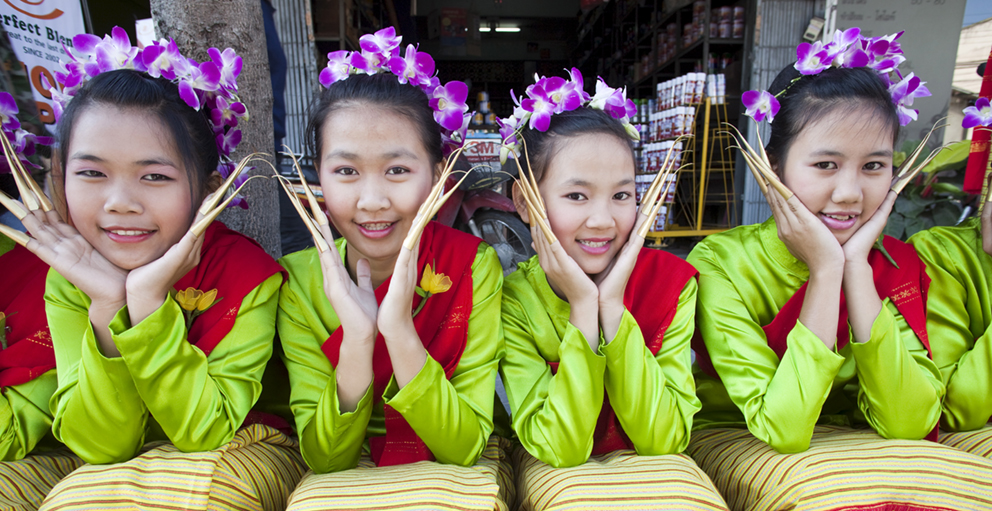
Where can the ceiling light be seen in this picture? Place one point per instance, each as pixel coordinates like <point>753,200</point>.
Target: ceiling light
<point>508,29</point>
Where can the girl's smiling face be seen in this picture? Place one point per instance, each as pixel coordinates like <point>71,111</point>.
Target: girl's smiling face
<point>588,188</point>
<point>840,167</point>
<point>126,186</point>
<point>375,173</point>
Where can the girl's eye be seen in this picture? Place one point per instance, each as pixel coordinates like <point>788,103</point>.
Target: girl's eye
<point>575,196</point>
<point>157,177</point>
<point>397,171</point>
<point>621,196</point>
<point>346,171</point>
<point>825,165</point>
<point>875,165</point>
<point>90,173</point>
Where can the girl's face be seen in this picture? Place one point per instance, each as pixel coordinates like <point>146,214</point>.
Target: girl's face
<point>588,188</point>
<point>375,174</point>
<point>126,186</point>
<point>840,167</point>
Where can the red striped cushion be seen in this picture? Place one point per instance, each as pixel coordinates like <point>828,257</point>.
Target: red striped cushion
<point>617,480</point>
<point>25,483</point>
<point>977,442</point>
<point>844,468</point>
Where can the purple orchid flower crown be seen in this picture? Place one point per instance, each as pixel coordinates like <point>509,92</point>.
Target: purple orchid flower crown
<point>381,53</point>
<point>554,95</point>
<point>23,141</point>
<point>849,49</point>
<point>210,85</point>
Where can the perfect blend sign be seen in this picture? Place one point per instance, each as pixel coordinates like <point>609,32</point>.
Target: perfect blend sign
<point>37,30</point>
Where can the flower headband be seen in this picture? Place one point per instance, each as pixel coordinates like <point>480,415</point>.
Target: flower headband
<point>848,50</point>
<point>210,85</point>
<point>554,95</point>
<point>381,53</point>
<point>21,140</point>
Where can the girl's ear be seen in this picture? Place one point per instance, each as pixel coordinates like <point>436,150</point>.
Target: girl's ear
<point>438,169</point>
<point>520,203</point>
<point>213,183</point>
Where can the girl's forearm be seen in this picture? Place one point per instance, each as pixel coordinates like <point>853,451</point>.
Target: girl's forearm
<point>863,303</point>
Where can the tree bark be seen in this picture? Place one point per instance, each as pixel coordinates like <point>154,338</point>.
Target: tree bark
<point>197,25</point>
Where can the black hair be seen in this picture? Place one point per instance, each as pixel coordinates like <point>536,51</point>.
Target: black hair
<point>129,89</point>
<point>383,90</point>
<point>542,146</point>
<point>812,97</point>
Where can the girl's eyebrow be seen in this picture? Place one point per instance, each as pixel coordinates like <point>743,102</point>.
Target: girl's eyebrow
<point>143,163</point>
<point>577,182</point>
<point>832,152</point>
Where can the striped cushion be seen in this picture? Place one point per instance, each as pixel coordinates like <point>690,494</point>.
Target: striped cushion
<point>484,486</point>
<point>617,480</point>
<point>255,471</point>
<point>976,442</point>
<point>25,483</point>
<point>844,468</point>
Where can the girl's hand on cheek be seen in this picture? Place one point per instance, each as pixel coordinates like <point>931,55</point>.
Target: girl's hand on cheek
<point>858,246</point>
<point>148,286</point>
<point>806,236</point>
<point>406,350</point>
<point>613,282</point>
<point>567,277</point>
<point>60,246</point>
<point>355,305</point>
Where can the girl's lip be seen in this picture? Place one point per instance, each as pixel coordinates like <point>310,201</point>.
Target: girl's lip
<point>114,234</point>
<point>838,225</point>
<point>605,247</point>
<point>380,233</point>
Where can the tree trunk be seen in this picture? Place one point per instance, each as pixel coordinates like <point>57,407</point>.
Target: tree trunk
<point>197,25</point>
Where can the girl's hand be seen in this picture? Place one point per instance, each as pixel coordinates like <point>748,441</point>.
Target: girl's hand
<point>566,277</point>
<point>858,246</point>
<point>406,350</point>
<point>807,238</point>
<point>61,246</point>
<point>355,305</point>
<point>613,282</point>
<point>148,286</point>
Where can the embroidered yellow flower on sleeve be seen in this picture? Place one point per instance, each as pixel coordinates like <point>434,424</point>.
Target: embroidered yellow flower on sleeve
<point>194,302</point>
<point>431,284</point>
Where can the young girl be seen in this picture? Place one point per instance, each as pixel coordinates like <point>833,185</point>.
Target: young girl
<point>959,313</point>
<point>597,328</point>
<point>145,387</point>
<point>383,375</point>
<point>813,340</point>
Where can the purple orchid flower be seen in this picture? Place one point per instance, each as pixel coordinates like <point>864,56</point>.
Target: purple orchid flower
<point>226,113</point>
<point>163,59</point>
<point>612,101</point>
<point>416,67</point>
<point>364,63</point>
<point>380,46</point>
<point>456,138</point>
<point>338,68</point>
<point>227,142</point>
<point>540,105</point>
<point>562,93</point>
<point>205,77</point>
<point>430,84</point>
<point>229,64</point>
<point>760,104</point>
<point>903,93</point>
<point>449,104</point>
<point>812,58</point>
<point>8,112</point>
<point>978,115</point>
<point>842,41</point>
<point>115,51</point>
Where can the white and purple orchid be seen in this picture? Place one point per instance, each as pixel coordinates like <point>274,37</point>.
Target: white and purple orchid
<point>380,52</point>
<point>210,85</point>
<point>849,49</point>
<point>554,95</point>
<point>978,115</point>
<point>22,141</point>
<point>760,105</point>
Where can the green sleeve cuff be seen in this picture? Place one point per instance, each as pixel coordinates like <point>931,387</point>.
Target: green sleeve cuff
<point>427,380</point>
<point>574,343</point>
<point>802,340</point>
<point>621,342</point>
<point>115,369</point>
<point>883,327</point>
<point>167,322</point>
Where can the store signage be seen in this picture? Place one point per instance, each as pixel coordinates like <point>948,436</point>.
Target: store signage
<point>37,30</point>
